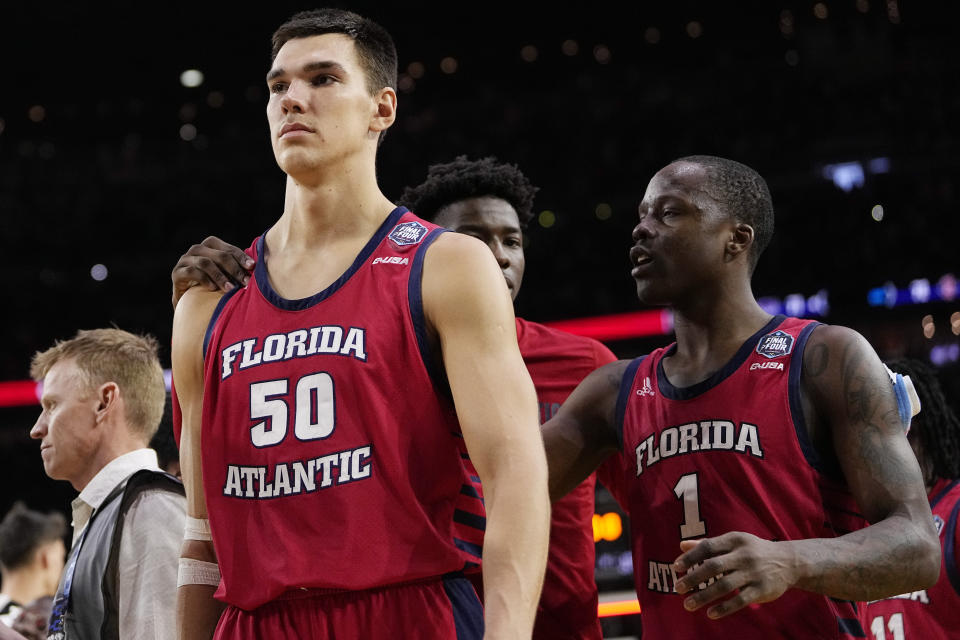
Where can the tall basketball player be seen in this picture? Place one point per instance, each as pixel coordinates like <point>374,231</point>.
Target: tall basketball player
<point>491,201</point>
<point>327,406</point>
<point>755,450</point>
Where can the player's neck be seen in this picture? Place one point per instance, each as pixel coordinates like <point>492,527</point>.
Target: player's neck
<point>343,202</point>
<point>711,328</point>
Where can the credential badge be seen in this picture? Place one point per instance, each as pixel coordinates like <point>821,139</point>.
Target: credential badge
<point>776,344</point>
<point>407,233</point>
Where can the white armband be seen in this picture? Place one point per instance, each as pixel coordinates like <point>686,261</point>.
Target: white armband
<point>196,529</point>
<point>190,571</point>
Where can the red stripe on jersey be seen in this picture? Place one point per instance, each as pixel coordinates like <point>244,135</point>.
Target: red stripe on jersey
<point>728,454</point>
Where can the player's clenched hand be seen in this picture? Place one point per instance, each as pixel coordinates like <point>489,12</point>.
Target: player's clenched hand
<point>214,264</point>
<point>761,570</point>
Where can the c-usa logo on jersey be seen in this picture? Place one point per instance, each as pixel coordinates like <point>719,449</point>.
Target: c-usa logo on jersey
<point>407,233</point>
<point>775,345</point>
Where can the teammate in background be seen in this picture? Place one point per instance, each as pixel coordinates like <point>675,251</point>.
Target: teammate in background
<point>324,390</point>
<point>102,400</point>
<point>934,435</point>
<point>31,558</point>
<point>734,442</point>
<point>491,201</point>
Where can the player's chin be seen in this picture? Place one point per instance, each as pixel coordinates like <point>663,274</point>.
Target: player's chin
<point>296,159</point>
<point>650,294</point>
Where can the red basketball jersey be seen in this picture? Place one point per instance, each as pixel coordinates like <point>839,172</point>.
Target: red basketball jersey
<point>934,613</point>
<point>728,454</point>
<point>558,362</point>
<point>331,459</point>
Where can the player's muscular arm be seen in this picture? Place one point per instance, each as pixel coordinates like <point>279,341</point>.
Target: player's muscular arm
<point>197,611</point>
<point>213,264</point>
<point>848,389</point>
<point>584,431</point>
<point>847,392</point>
<point>467,303</point>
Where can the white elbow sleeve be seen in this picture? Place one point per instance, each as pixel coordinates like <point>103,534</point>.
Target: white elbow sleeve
<point>190,571</point>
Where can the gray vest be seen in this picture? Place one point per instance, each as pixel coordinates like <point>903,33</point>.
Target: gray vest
<point>89,609</point>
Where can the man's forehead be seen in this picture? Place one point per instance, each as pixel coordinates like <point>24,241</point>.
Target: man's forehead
<point>680,179</point>
<point>332,47</point>
<point>488,211</point>
<point>60,375</point>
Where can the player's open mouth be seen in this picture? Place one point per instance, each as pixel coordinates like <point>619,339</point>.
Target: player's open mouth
<point>639,257</point>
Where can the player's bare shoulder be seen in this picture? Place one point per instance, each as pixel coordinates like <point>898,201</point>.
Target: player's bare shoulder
<point>461,277</point>
<point>194,311</point>
<point>458,253</point>
<point>842,371</point>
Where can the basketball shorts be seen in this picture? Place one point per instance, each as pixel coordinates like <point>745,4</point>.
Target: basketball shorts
<point>443,609</point>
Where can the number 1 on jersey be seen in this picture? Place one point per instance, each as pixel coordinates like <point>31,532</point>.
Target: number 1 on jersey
<point>687,491</point>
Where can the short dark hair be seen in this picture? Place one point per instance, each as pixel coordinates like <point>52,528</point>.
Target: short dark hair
<point>743,193</point>
<point>375,47</point>
<point>462,179</point>
<point>936,425</point>
<point>23,530</point>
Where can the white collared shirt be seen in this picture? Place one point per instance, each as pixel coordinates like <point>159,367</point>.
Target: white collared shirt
<point>106,480</point>
<point>149,548</point>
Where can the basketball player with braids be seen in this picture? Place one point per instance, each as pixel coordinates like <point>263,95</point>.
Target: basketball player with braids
<point>934,435</point>
<point>762,458</point>
<point>327,406</point>
<point>492,201</point>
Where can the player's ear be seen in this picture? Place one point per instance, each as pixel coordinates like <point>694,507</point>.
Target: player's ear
<point>740,240</point>
<point>385,110</point>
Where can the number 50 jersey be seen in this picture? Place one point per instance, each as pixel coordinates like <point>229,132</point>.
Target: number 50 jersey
<point>330,459</point>
<point>728,454</point>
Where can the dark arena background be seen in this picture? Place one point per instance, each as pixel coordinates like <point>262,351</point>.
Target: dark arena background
<point>129,132</point>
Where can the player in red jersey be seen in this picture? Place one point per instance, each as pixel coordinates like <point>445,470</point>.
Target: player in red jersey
<point>745,445</point>
<point>319,434</point>
<point>932,613</point>
<point>491,201</point>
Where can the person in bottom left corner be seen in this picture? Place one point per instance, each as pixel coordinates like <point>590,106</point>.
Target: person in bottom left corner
<point>102,399</point>
<point>31,561</point>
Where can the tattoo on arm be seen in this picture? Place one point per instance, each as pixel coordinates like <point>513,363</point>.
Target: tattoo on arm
<point>865,407</point>
<point>855,401</point>
<point>815,363</point>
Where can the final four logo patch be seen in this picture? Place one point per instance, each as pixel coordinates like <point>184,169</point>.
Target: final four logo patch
<point>938,523</point>
<point>776,344</point>
<point>407,233</point>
